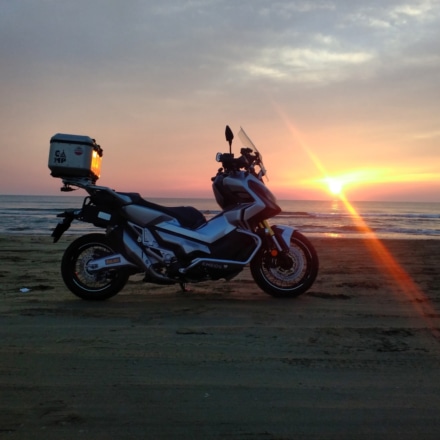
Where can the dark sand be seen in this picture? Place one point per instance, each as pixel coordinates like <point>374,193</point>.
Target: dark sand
<point>357,357</point>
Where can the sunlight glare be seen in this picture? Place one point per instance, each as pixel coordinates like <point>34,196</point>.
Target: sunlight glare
<point>378,250</point>
<point>335,186</point>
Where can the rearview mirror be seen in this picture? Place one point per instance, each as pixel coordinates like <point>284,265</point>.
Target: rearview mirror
<point>229,136</point>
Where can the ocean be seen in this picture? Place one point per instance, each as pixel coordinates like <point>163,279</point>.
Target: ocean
<point>36,215</point>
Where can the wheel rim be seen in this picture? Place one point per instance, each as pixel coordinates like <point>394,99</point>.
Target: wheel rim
<point>92,281</point>
<point>285,278</point>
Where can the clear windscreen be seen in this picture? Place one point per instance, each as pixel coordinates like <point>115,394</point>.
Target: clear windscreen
<point>246,141</point>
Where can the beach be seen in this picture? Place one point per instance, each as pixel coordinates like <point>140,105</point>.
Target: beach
<point>357,356</point>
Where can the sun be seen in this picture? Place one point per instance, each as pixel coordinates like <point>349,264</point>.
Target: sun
<point>335,186</point>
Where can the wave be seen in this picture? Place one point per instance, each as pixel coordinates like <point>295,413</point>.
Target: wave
<point>298,214</point>
<point>33,209</point>
<point>38,215</point>
<point>20,228</point>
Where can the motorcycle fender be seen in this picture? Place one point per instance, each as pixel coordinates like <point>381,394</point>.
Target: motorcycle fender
<point>108,262</point>
<point>62,227</point>
<point>285,232</point>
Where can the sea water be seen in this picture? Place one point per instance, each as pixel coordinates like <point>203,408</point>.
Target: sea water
<point>37,215</point>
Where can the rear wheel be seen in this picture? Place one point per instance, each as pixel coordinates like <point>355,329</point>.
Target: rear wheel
<point>83,283</point>
<point>287,275</point>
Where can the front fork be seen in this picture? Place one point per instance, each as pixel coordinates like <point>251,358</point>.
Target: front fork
<point>278,238</point>
<point>278,245</point>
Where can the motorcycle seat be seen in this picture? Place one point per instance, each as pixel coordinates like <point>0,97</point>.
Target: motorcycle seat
<point>187,216</point>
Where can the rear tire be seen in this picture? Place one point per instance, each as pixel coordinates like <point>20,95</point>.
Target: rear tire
<point>92,286</point>
<point>290,275</point>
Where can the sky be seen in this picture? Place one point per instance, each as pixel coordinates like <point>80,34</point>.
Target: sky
<point>338,95</point>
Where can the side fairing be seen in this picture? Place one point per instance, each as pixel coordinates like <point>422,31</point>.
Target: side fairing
<point>208,233</point>
<point>258,203</point>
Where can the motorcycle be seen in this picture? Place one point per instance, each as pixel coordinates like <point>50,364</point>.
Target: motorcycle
<point>177,245</point>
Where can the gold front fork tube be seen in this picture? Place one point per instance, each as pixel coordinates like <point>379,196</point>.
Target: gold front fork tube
<point>269,231</point>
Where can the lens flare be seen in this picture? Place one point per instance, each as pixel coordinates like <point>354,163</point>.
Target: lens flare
<point>392,268</point>
<point>377,248</point>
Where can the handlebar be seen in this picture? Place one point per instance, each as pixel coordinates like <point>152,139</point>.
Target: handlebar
<point>247,161</point>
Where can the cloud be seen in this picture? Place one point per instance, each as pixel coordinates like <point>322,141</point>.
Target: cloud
<point>366,70</point>
<point>199,43</point>
<point>422,10</point>
<point>427,135</point>
<point>304,65</point>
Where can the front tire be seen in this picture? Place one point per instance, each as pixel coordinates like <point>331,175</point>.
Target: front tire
<point>289,275</point>
<point>92,286</point>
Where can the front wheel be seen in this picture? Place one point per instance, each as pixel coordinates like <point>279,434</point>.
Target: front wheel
<point>287,275</point>
<point>88,285</point>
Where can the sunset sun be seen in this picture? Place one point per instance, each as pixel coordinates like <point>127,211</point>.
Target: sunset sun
<point>335,186</point>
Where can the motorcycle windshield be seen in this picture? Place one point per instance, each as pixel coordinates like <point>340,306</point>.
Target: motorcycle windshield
<point>246,141</point>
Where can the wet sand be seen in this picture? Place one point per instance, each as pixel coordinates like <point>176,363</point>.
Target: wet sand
<point>356,357</point>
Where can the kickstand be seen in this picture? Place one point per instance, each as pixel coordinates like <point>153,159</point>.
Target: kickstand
<point>184,287</point>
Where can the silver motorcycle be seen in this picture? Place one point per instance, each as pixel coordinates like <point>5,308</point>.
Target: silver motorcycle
<point>177,245</point>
